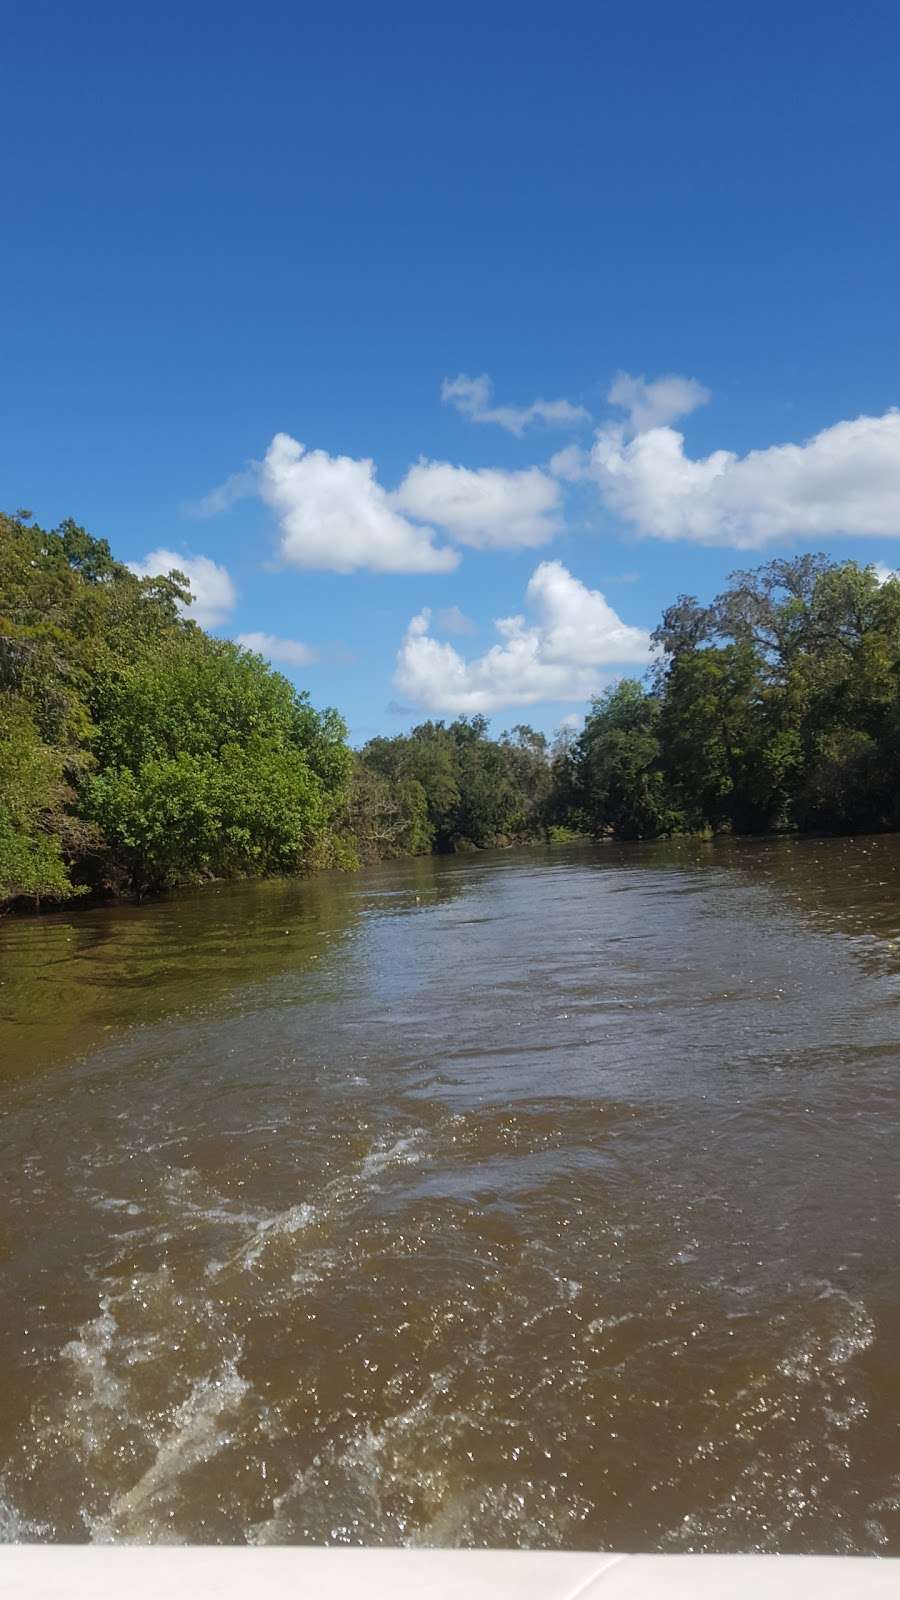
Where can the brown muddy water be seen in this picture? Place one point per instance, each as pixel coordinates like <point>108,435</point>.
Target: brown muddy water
<point>531,1199</point>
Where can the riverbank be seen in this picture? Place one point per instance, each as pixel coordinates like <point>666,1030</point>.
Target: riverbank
<point>138,752</point>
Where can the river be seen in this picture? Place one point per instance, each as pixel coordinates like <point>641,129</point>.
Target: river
<point>536,1198</point>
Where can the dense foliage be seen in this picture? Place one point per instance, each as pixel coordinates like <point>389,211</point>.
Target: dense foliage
<point>450,787</point>
<point>778,706</point>
<point>137,752</point>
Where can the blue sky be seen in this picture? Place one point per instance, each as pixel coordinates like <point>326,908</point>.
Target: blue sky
<point>228,226</point>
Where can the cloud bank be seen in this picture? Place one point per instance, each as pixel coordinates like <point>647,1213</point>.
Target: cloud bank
<point>559,656</point>
<point>844,480</point>
<point>333,514</point>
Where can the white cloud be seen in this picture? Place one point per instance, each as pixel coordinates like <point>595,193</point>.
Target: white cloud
<point>557,657</point>
<point>883,572</point>
<point>845,480</point>
<point>290,651</point>
<point>649,405</point>
<point>452,620</point>
<point>240,486</point>
<point>334,515</point>
<point>652,405</point>
<point>485,506</point>
<point>210,584</point>
<point>472,398</point>
<point>571,464</point>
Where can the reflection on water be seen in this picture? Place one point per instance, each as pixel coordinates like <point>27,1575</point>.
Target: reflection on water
<point>540,1198</point>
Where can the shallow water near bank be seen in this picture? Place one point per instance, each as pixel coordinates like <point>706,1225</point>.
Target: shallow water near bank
<point>540,1198</point>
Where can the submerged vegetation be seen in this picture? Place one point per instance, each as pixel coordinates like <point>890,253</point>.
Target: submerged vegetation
<point>137,752</point>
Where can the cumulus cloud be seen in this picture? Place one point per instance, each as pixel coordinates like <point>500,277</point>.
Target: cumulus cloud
<point>883,572</point>
<point>333,514</point>
<point>485,506</point>
<point>649,405</point>
<point>653,404</point>
<point>452,620</point>
<point>472,398</point>
<point>844,480</point>
<point>571,464</point>
<point>291,651</point>
<point>558,656</point>
<point>213,592</point>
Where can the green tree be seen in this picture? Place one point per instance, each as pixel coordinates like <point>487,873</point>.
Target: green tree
<point>618,785</point>
<point>138,751</point>
<point>846,685</point>
<point>727,758</point>
<point>462,787</point>
<point>31,794</point>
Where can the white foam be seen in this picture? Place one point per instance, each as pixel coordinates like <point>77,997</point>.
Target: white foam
<point>16,1529</point>
<point>285,1223</point>
<point>603,1324</point>
<point>89,1354</point>
<point>402,1151</point>
<point>352,1475</point>
<point>857,1335</point>
<point>109,1203</point>
<point>213,1207</point>
<point>195,1436</point>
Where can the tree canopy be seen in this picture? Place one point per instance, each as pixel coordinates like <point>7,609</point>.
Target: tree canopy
<point>138,752</point>
<point>450,786</point>
<point>135,750</point>
<point>778,706</point>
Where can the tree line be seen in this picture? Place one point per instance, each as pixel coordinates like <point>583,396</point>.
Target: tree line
<point>137,752</point>
<point>775,707</point>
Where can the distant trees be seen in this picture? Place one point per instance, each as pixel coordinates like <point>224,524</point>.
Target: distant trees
<point>446,786</point>
<point>777,706</point>
<point>617,784</point>
<point>136,752</point>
